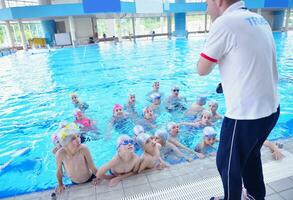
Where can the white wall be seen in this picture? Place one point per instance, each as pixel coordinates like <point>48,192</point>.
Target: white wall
<point>83,28</point>
<point>65,1</point>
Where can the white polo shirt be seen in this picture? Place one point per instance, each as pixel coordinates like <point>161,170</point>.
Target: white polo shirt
<point>242,44</point>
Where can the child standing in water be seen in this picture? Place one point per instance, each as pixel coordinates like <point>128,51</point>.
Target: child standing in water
<point>156,88</point>
<point>173,130</point>
<point>129,107</point>
<point>196,108</point>
<point>124,164</point>
<point>156,102</point>
<point>205,120</point>
<point>208,140</point>
<point>77,104</point>
<point>85,124</point>
<point>213,107</point>
<point>168,147</point>
<point>174,101</point>
<point>150,158</point>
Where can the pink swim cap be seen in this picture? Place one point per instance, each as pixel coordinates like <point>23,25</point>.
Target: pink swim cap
<point>78,113</point>
<point>117,106</point>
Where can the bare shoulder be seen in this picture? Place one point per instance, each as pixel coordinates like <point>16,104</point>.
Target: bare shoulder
<point>83,148</point>
<point>60,153</point>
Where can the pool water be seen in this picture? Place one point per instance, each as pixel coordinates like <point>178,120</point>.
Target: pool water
<point>35,96</point>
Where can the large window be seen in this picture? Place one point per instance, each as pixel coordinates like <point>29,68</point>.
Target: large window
<point>290,25</point>
<point>18,3</point>
<point>31,30</point>
<point>196,22</point>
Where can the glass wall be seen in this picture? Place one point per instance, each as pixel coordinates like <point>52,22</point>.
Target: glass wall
<point>143,26</point>
<point>290,25</point>
<point>18,3</point>
<point>196,22</point>
<point>31,30</point>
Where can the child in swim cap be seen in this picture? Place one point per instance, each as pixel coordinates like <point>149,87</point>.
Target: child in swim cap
<point>85,124</point>
<point>129,107</point>
<point>205,120</point>
<point>82,106</point>
<point>208,140</point>
<point>162,137</point>
<point>155,89</point>
<point>175,101</point>
<point>118,120</point>
<point>124,164</point>
<point>196,108</point>
<point>148,119</point>
<point>173,130</point>
<point>156,102</point>
<point>213,107</point>
<point>150,159</point>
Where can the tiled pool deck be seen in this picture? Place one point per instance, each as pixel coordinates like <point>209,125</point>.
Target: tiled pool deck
<point>279,185</point>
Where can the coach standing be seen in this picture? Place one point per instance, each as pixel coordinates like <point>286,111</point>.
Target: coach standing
<point>242,44</point>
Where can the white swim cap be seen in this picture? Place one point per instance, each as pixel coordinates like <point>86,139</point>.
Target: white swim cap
<point>170,125</point>
<point>155,96</point>
<point>163,134</point>
<point>209,131</point>
<point>141,139</point>
<point>138,129</point>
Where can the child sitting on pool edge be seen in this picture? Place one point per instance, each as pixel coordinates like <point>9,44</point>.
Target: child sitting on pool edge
<point>74,157</point>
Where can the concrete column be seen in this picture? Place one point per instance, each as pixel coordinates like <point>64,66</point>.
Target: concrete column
<point>162,20</point>
<point>72,30</point>
<point>94,27</point>
<point>49,28</point>
<point>180,25</point>
<point>287,19</point>
<point>206,22</point>
<point>2,4</point>
<point>259,11</point>
<point>119,28</point>
<point>133,29</point>
<point>180,22</point>
<point>278,20</point>
<point>22,35</point>
<point>9,33</point>
<point>7,27</point>
<point>169,26</point>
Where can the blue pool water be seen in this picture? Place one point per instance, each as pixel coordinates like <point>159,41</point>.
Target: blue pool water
<point>35,97</point>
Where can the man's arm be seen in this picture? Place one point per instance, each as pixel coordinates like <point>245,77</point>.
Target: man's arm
<point>205,65</point>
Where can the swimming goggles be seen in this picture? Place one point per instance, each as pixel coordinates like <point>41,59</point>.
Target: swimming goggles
<point>126,142</point>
